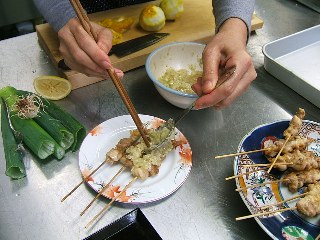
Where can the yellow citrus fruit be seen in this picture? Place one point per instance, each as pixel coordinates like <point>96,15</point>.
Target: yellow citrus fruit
<point>172,8</point>
<point>52,87</point>
<point>152,18</point>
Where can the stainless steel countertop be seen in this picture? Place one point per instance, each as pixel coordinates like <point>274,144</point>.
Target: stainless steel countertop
<point>205,207</point>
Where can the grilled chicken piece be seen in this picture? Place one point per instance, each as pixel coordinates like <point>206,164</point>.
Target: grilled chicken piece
<point>301,160</point>
<point>296,180</point>
<point>310,204</point>
<point>295,124</point>
<point>116,153</point>
<point>140,172</point>
<point>297,142</point>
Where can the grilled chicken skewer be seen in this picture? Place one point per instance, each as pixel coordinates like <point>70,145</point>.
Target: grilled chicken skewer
<point>301,160</point>
<point>296,143</point>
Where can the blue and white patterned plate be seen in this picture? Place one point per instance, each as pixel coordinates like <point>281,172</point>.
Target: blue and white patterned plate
<point>288,224</point>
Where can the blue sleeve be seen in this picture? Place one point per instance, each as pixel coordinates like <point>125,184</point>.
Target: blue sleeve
<point>56,12</point>
<point>224,9</point>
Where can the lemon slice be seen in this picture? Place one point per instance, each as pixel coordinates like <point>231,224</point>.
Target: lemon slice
<point>52,87</point>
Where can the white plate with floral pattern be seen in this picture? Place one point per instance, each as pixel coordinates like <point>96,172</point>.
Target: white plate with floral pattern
<point>172,173</point>
<point>287,224</point>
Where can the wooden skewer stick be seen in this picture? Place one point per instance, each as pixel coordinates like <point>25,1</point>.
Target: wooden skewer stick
<point>265,164</point>
<point>286,200</point>
<point>241,153</point>
<point>85,179</point>
<point>113,199</point>
<point>318,238</point>
<point>265,213</point>
<point>103,189</point>
<point>259,185</point>
<point>246,173</point>
<point>261,165</point>
<point>278,154</point>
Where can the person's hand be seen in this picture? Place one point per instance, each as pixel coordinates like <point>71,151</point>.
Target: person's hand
<point>82,53</point>
<point>227,49</point>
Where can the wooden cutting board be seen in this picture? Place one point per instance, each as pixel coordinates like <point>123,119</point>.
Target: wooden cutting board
<point>196,24</point>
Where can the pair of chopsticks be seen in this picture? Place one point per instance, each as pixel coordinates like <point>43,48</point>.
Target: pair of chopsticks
<point>85,22</point>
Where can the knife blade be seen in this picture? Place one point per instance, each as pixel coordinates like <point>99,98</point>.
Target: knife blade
<point>128,47</point>
<point>125,48</point>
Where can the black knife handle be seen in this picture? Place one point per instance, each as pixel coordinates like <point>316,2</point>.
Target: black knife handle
<point>110,52</point>
<point>63,65</point>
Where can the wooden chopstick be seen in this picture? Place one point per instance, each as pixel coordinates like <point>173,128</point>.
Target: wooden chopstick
<point>84,20</point>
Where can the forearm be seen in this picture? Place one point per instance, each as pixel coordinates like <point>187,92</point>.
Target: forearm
<point>235,29</point>
<point>225,9</point>
<point>56,12</point>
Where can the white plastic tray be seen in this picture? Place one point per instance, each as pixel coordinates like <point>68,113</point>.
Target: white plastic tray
<point>295,60</point>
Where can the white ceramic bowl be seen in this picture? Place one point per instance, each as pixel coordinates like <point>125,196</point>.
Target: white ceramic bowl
<point>177,55</point>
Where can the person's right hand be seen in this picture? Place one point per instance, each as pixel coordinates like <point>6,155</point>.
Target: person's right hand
<point>82,53</point>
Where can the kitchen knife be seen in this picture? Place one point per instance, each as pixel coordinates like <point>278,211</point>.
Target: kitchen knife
<point>125,48</point>
<point>128,47</point>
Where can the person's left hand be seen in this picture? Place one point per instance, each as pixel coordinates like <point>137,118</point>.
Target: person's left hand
<point>226,49</point>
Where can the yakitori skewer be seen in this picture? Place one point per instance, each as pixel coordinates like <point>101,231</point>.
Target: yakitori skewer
<point>109,204</point>
<point>103,189</point>
<point>242,153</point>
<point>259,185</point>
<point>284,201</point>
<point>278,154</point>
<point>265,213</point>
